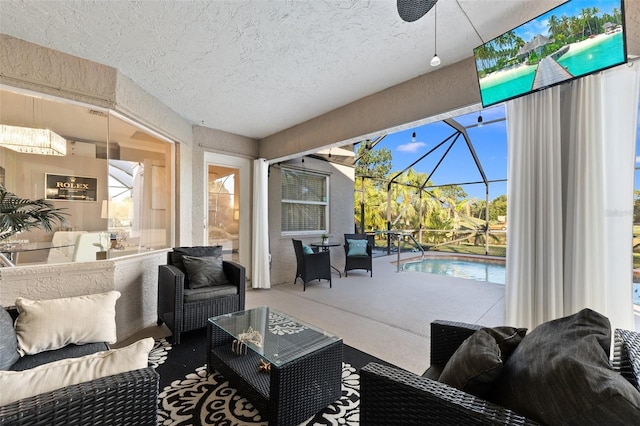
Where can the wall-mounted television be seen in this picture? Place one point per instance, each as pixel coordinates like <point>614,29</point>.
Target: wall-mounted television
<point>575,39</point>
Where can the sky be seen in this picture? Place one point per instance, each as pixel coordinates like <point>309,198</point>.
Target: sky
<point>490,144</point>
<point>489,141</point>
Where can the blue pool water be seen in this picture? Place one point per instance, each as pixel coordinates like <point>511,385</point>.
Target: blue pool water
<point>479,271</point>
<point>471,270</point>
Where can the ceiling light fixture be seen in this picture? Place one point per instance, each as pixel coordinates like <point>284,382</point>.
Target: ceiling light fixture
<point>435,61</point>
<point>32,141</point>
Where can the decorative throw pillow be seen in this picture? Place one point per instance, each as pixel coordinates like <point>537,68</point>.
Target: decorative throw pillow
<point>204,271</point>
<point>629,343</point>
<point>306,249</point>
<point>478,361</point>
<point>196,251</point>
<point>45,325</point>
<point>71,371</point>
<point>8,341</point>
<point>560,374</point>
<point>357,247</point>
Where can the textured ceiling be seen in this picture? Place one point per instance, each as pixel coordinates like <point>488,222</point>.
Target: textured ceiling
<point>255,68</point>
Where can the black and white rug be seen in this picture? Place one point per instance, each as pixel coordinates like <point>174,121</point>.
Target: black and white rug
<point>189,396</point>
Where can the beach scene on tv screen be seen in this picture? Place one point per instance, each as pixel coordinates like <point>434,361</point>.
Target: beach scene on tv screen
<point>574,39</point>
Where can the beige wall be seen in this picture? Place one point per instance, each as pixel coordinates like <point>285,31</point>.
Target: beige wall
<point>283,259</point>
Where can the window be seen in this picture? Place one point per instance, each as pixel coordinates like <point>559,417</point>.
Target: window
<point>304,202</point>
<point>128,171</point>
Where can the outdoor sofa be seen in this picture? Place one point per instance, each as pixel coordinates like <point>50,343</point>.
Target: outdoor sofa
<point>127,398</point>
<point>390,395</point>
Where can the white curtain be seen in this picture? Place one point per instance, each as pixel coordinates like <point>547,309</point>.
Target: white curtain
<point>621,88</point>
<point>571,249</point>
<point>533,292</point>
<point>260,247</point>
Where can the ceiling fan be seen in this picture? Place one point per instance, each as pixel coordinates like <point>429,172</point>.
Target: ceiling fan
<point>412,10</point>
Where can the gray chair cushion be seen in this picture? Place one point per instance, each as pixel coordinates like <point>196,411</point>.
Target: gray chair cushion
<point>205,293</point>
<point>204,271</point>
<point>8,341</point>
<point>478,363</point>
<point>560,374</point>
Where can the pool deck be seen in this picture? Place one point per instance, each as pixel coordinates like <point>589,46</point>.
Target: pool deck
<point>388,315</point>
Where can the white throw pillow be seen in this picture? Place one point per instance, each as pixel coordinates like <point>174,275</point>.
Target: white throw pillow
<point>44,325</point>
<point>71,371</point>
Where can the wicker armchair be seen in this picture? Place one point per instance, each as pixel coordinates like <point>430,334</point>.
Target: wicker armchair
<point>358,261</point>
<point>310,267</point>
<point>389,395</point>
<point>184,309</point>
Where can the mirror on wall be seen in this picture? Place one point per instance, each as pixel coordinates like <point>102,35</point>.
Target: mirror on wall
<point>111,177</point>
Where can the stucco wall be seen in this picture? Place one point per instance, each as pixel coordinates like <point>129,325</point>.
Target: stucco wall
<point>135,277</point>
<point>283,259</point>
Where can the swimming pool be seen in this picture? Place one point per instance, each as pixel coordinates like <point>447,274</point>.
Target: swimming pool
<point>479,271</point>
<point>460,268</point>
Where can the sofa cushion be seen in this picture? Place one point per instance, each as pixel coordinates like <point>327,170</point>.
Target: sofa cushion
<point>45,325</point>
<point>204,271</point>
<point>69,351</point>
<point>357,247</point>
<point>8,341</point>
<point>560,374</point>
<point>206,293</point>
<point>306,249</point>
<point>71,371</point>
<point>478,362</point>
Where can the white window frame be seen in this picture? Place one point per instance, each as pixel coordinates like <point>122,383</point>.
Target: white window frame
<point>325,203</point>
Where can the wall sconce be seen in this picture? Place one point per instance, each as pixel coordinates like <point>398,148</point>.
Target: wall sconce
<point>236,214</point>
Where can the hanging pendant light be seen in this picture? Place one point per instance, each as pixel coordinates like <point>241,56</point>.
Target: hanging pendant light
<point>32,141</point>
<point>435,61</point>
<point>480,120</point>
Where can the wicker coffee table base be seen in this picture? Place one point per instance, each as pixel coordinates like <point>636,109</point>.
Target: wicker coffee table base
<point>287,395</point>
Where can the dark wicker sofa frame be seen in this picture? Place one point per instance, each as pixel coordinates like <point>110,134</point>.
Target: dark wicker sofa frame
<point>390,395</point>
<point>129,398</point>
<point>180,316</point>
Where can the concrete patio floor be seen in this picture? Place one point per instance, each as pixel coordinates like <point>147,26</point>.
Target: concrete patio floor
<point>387,315</point>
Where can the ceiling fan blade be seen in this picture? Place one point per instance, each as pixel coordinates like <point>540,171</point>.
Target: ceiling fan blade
<point>412,10</point>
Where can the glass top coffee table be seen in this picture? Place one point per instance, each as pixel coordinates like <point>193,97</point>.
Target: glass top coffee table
<point>287,368</point>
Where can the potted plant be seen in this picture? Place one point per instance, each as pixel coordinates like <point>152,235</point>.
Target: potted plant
<point>21,214</point>
<point>325,239</point>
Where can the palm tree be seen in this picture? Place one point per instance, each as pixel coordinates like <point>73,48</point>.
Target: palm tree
<point>21,214</point>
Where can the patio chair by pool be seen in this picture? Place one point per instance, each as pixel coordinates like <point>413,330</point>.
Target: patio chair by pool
<point>311,265</point>
<point>358,250</point>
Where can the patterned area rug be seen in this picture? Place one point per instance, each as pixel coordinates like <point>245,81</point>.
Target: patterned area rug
<point>189,396</point>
